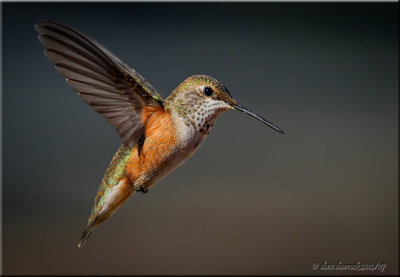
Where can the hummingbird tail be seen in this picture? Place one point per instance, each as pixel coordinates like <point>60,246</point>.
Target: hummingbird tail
<point>85,235</point>
<point>117,195</point>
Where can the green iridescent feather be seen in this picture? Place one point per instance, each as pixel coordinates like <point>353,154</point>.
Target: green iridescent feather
<point>114,173</point>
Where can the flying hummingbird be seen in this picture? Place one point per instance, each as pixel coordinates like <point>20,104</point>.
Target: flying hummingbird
<point>158,134</point>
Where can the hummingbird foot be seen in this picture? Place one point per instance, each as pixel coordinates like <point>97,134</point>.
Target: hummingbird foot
<point>143,189</point>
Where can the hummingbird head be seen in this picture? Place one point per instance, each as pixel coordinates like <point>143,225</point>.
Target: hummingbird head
<point>200,99</point>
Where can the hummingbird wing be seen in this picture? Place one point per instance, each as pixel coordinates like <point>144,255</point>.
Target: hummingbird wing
<point>107,84</point>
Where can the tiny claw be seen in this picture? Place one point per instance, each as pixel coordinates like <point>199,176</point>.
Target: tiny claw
<point>143,189</point>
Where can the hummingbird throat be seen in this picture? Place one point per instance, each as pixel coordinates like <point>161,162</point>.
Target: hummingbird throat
<point>198,114</point>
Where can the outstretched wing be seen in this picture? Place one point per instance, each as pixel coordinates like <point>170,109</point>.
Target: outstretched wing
<point>111,87</point>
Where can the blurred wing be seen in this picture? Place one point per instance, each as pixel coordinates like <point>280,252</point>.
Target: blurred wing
<point>111,87</point>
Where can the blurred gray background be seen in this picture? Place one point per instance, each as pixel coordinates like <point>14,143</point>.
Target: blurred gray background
<point>250,201</point>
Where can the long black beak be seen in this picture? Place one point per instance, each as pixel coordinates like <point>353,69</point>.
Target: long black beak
<point>245,110</point>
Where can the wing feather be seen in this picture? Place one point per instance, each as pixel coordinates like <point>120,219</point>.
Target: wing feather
<point>108,85</point>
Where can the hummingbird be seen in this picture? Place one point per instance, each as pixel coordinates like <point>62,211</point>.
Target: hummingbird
<point>158,134</point>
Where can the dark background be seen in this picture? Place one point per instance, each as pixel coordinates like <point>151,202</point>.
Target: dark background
<point>250,201</point>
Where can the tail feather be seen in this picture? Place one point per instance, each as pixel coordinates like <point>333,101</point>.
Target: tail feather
<point>85,235</point>
<point>94,221</point>
<point>108,205</point>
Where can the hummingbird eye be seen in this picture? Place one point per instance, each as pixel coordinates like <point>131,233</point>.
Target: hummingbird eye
<point>208,91</point>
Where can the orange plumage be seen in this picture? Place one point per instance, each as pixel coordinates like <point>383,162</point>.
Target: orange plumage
<point>158,145</point>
